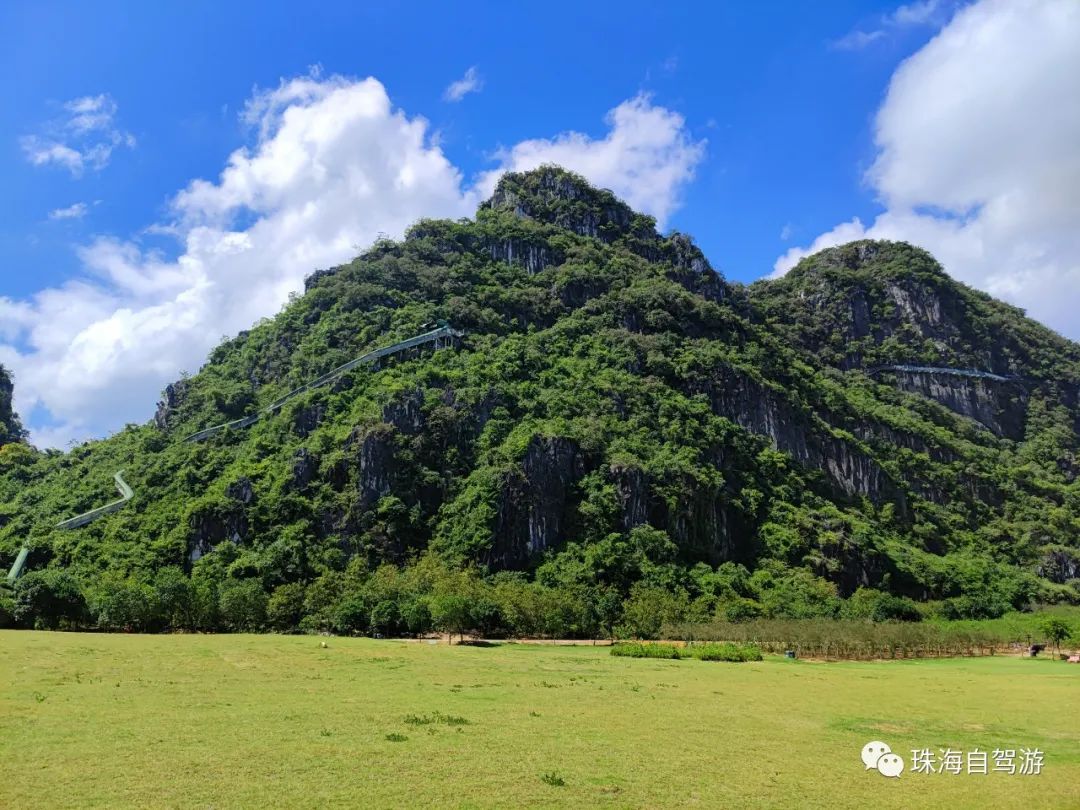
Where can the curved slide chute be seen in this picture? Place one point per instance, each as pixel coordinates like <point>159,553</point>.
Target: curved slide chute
<point>955,372</point>
<point>126,494</point>
<point>445,332</point>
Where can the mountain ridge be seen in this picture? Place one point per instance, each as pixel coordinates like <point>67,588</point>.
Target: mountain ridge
<point>618,417</point>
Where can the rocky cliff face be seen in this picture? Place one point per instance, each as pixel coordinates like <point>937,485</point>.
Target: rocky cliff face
<point>999,406</point>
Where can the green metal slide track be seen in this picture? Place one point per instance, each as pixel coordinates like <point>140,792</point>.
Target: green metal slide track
<point>445,332</point>
<point>126,495</point>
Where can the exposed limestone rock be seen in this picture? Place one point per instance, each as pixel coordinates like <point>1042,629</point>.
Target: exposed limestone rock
<point>210,526</point>
<point>305,468</point>
<point>376,464</point>
<point>241,490</point>
<point>309,418</point>
<point>1060,565</point>
<point>1002,407</point>
<point>532,513</point>
<point>534,257</point>
<point>172,397</point>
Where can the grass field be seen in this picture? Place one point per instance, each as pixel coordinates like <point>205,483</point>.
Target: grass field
<point>277,721</point>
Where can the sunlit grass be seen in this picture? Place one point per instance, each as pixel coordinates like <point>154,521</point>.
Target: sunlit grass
<point>274,721</point>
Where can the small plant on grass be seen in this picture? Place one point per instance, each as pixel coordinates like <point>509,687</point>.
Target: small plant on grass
<point>553,779</point>
<point>395,737</point>
<point>435,717</point>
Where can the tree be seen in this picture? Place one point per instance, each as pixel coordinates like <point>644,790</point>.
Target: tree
<point>49,599</point>
<point>384,617</point>
<point>176,598</point>
<point>286,607</point>
<point>649,608</point>
<point>1056,630</point>
<point>124,604</point>
<point>450,614</point>
<point>242,604</point>
<point>416,616</point>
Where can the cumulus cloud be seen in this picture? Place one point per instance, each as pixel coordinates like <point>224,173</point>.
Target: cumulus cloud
<point>331,166</point>
<point>76,211</point>
<point>977,156</point>
<point>647,156</point>
<point>84,138</point>
<point>469,83</point>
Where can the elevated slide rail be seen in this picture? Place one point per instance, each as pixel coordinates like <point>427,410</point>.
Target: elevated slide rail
<point>955,372</point>
<point>445,332</point>
<point>126,494</point>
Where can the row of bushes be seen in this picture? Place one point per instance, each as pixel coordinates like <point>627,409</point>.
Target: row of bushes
<point>839,638</point>
<point>724,651</point>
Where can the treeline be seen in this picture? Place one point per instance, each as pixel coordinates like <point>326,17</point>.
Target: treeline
<point>647,600</point>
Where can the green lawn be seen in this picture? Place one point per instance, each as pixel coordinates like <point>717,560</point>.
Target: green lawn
<point>275,721</point>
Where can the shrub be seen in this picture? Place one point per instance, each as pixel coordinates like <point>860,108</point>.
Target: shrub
<point>124,604</point>
<point>384,617</point>
<point>7,610</point>
<point>243,604</point>
<point>724,652</point>
<point>285,607</point>
<point>648,609</point>
<point>49,599</point>
<point>639,650</point>
<point>175,595</point>
<point>741,610</point>
<point>351,615</point>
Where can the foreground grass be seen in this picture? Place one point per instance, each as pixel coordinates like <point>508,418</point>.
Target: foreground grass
<point>270,721</point>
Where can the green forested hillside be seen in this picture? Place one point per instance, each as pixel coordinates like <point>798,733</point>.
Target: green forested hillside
<point>10,429</point>
<point>621,437</point>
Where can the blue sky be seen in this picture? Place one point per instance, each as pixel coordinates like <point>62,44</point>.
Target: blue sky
<point>787,117</point>
<point>766,113</point>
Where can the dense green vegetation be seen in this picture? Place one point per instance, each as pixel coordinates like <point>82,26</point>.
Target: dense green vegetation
<point>723,651</point>
<point>621,440</point>
<point>10,428</point>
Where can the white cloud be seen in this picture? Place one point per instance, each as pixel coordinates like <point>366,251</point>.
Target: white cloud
<point>332,165</point>
<point>85,138</point>
<point>925,12</point>
<point>786,232</point>
<point>76,211</point>
<point>646,158</point>
<point>916,13</point>
<point>469,83</point>
<point>977,156</point>
<point>857,40</point>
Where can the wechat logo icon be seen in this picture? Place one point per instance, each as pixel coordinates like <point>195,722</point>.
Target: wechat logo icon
<point>878,756</point>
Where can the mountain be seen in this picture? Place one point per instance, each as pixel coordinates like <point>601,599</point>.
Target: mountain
<point>617,422</point>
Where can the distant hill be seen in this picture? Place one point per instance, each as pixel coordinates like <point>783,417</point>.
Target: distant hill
<point>617,421</point>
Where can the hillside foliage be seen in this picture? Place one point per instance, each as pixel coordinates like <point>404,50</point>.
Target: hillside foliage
<point>621,440</point>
